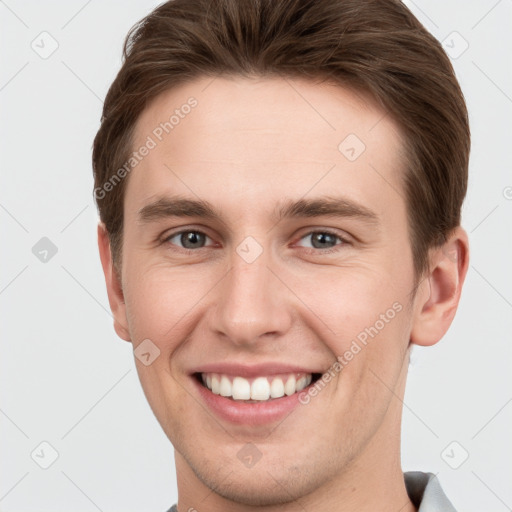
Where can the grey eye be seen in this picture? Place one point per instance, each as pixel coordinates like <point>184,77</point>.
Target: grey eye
<point>321,239</point>
<point>189,239</point>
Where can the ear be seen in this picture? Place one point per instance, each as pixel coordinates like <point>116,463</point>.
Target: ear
<point>114,288</point>
<point>439,294</point>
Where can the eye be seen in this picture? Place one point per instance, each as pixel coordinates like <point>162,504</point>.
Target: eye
<point>323,240</point>
<point>189,240</point>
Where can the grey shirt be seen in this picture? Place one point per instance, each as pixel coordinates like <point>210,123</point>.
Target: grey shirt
<point>423,489</point>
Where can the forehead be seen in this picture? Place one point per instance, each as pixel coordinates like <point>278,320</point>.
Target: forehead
<point>248,138</point>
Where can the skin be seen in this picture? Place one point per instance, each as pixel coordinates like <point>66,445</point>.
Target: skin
<point>249,145</point>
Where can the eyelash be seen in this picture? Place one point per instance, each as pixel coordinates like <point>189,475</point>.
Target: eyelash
<point>308,250</point>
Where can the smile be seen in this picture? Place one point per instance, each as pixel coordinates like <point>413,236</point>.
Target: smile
<point>256,395</point>
<point>257,389</point>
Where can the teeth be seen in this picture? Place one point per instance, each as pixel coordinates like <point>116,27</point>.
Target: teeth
<point>215,384</point>
<point>289,387</point>
<point>303,382</point>
<point>225,386</point>
<point>241,389</point>
<point>260,388</point>
<point>277,388</point>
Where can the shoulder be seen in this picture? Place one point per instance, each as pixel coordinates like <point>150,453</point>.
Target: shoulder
<point>426,493</point>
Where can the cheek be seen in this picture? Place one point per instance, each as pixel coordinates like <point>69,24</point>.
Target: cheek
<point>362,316</point>
<point>158,304</point>
<point>351,300</point>
<point>158,301</point>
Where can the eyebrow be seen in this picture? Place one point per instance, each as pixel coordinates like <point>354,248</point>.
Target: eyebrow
<point>166,207</point>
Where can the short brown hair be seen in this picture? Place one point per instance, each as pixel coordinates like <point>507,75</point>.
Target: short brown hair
<point>374,46</point>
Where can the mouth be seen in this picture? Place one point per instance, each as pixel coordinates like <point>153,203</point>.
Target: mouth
<point>258,389</point>
<point>254,396</point>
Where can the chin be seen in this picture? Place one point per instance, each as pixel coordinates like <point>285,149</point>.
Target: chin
<point>261,485</point>
<point>256,490</point>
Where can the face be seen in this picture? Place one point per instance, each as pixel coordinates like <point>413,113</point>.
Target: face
<point>265,244</point>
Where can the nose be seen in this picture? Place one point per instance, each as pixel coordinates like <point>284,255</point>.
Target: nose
<point>251,303</point>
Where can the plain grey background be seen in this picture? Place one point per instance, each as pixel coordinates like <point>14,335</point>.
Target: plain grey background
<point>68,382</point>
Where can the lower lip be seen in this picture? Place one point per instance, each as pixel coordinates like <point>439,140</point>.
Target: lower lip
<point>242,413</point>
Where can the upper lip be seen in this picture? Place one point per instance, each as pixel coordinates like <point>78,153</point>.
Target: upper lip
<point>253,370</point>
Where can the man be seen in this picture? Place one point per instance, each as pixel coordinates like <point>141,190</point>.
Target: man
<point>279,186</point>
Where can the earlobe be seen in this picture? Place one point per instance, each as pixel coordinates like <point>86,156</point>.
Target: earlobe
<point>114,288</point>
<point>435,308</point>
